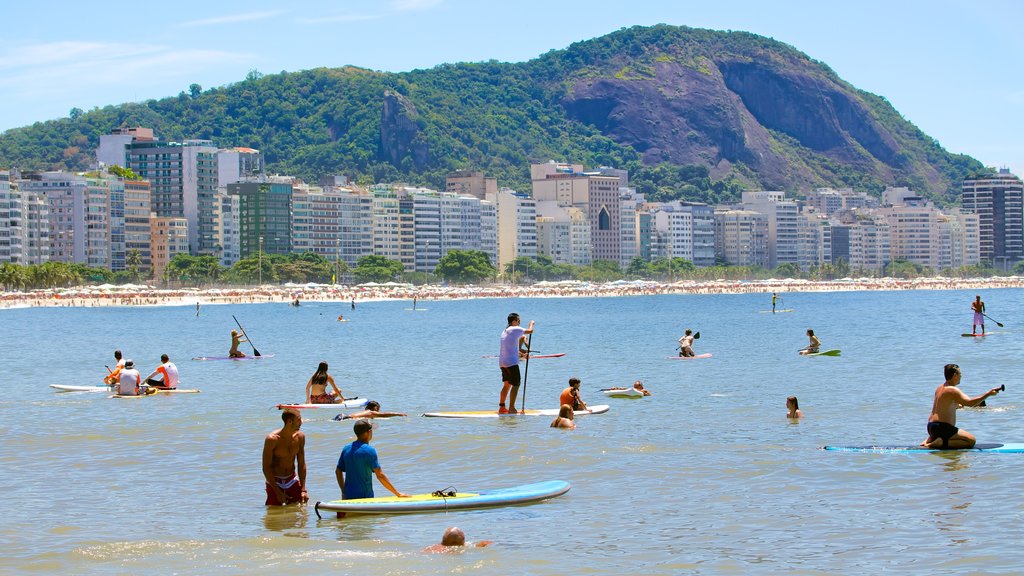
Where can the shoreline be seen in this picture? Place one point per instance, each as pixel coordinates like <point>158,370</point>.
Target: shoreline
<point>93,296</point>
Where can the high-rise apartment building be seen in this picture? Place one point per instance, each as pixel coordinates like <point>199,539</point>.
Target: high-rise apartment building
<point>168,238</point>
<point>563,233</point>
<point>783,228</point>
<point>741,237</point>
<point>516,225</point>
<point>264,215</point>
<point>998,200</point>
<point>230,227</point>
<point>137,229</point>
<point>685,230</point>
<point>11,219</point>
<point>596,194</point>
<point>86,217</point>
<point>237,164</point>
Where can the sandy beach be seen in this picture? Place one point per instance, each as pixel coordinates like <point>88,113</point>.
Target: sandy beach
<point>137,295</point>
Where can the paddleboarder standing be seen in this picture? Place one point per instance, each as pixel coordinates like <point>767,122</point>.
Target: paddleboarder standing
<point>942,431</point>
<point>979,315</point>
<point>508,361</point>
<point>775,298</point>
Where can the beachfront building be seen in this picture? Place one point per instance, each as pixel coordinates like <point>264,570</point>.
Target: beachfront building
<point>998,200</point>
<point>113,147</point>
<point>516,216</point>
<point>229,227</point>
<point>137,229</point>
<point>869,242</point>
<point>563,233</point>
<point>629,222</point>
<point>596,194</point>
<point>645,233</point>
<point>741,237</point>
<point>960,239</point>
<point>264,215</point>
<point>814,240</point>
<point>168,237</point>
<point>11,219</point>
<point>828,201</point>
<point>237,164</point>
<point>35,227</point>
<point>183,184</point>
<point>394,231</point>
<point>914,230</point>
<point>472,183</point>
<point>489,230</point>
<point>426,211</point>
<point>460,222</point>
<point>80,217</point>
<point>685,230</point>
<point>783,228</point>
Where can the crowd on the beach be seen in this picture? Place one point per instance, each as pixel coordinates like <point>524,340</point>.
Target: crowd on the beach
<point>110,295</point>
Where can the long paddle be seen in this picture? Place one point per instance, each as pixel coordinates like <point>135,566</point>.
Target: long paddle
<point>1000,324</point>
<point>526,369</point>
<point>254,350</point>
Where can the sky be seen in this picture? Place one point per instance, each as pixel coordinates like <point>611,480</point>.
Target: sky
<point>955,68</point>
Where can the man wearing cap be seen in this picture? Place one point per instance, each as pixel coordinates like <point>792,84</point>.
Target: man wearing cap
<point>358,460</point>
<point>128,380</point>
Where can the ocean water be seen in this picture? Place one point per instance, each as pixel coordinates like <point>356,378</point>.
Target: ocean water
<point>707,476</point>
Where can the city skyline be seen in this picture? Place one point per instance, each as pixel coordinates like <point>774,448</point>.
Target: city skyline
<point>925,57</point>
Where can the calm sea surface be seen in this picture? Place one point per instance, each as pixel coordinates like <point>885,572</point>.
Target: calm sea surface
<point>706,476</point>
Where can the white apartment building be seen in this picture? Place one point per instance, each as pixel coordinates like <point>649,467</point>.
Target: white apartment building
<point>394,234</point>
<point>426,210</point>
<point>230,227</point>
<point>80,217</point>
<point>237,164</point>
<point>870,243</point>
<point>685,230</point>
<point>814,245</point>
<point>460,222</point>
<point>11,221</point>
<point>961,233</point>
<point>516,226</point>
<point>489,230</point>
<point>741,237</point>
<point>629,220</point>
<point>783,228</point>
<point>563,233</point>
<point>136,222</point>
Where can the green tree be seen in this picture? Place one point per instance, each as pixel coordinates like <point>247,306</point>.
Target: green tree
<point>124,173</point>
<point>375,268</point>
<point>787,270</point>
<point>193,270</point>
<point>132,262</point>
<point>600,271</point>
<point>13,276</point>
<point>194,90</point>
<point>465,266</point>
<point>638,268</point>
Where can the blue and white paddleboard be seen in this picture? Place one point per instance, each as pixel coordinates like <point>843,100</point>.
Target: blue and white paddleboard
<point>991,447</point>
<point>354,402</point>
<point>420,503</point>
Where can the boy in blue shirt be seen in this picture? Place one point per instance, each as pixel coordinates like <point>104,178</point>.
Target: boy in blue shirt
<point>358,460</point>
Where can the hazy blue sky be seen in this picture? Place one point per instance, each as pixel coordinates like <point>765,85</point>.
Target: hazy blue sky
<point>953,67</point>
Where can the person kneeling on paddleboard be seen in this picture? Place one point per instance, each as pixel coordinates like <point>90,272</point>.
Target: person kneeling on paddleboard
<point>112,378</point>
<point>168,373</point>
<point>686,344</point>
<point>571,395</point>
<point>942,431</point>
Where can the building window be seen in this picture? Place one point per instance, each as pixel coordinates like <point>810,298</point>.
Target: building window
<point>604,219</point>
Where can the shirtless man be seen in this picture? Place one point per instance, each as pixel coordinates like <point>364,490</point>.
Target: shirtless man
<point>979,315</point>
<point>453,540</point>
<point>372,411</point>
<point>235,341</point>
<point>942,431</point>
<point>284,450</point>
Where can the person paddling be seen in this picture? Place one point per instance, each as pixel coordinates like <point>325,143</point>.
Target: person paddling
<point>235,341</point>
<point>942,431</point>
<point>114,376</point>
<point>508,362</point>
<point>775,297</point>
<point>813,344</point>
<point>979,315</point>
<point>686,344</point>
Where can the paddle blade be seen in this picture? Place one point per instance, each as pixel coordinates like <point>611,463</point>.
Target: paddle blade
<point>696,336</point>
<point>256,352</point>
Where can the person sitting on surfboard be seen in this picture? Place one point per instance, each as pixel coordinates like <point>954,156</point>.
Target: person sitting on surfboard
<point>979,315</point>
<point>793,406</point>
<point>565,418</point>
<point>686,344</point>
<point>454,540</point>
<point>235,341</point>
<point>372,411</point>
<point>128,380</point>
<point>508,361</point>
<point>284,461</point>
<point>571,395</point>
<point>168,373</point>
<point>316,387</point>
<point>942,431</point>
<point>813,345</point>
<point>112,378</point>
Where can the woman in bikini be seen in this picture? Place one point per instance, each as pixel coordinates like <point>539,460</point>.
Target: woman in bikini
<point>316,388</point>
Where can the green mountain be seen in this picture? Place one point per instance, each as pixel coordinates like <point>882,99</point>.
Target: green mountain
<point>692,113</point>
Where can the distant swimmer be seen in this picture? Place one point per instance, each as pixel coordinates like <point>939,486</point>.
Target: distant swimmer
<point>284,462</point>
<point>775,297</point>
<point>942,431</point>
<point>979,315</point>
<point>686,344</point>
<point>571,395</point>
<point>296,302</point>
<point>638,386</point>
<point>235,341</point>
<point>129,380</point>
<point>372,411</point>
<point>793,407</point>
<point>508,361</point>
<point>167,372</point>
<point>813,344</point>
<point>316,387</point>
<point>112,378</point>
<point>564,418</point>
<point>341,318</point>
<point>454,540</point>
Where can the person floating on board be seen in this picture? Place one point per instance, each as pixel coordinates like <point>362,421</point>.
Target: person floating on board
<point>564,418</point>
<point>571,395</point>
<point>454,540</point>
<point>942,431</point>
<point>284,462</point>
<point>235,341</point>
<point>813,344</point>
<point>638,386</point>
<point>112,378</point>
<point>793,407</point>
<point>774,298</point>
<point>686,345</point>
<point>358,460</point>
<point>341,318</point>
<point>128,380</point>
<point>508,360</point>
<point>372,411</point>
<point>316,387</point>
<point>979,315</point>
<point>168,373</point>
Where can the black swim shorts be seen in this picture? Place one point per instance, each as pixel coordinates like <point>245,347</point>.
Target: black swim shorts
<point>511,375</point>
<point>942,430</point>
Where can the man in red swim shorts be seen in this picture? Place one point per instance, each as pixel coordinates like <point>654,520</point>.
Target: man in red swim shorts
<point>284,462</point>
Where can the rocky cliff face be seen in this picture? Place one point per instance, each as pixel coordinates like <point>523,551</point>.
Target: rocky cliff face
<point>400,136</point>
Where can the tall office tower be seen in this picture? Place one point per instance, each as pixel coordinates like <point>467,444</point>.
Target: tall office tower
<point>264,215</point>
<point>597,195</point>
<point>783,233</point>
<point>741,237</point>
<point>516,215</point>
<point>998,200</point>
<point>237,164</point>
<point>183,184</point>
<point>137,229</point>
<point>472,183</point>
<point>168,238</point>
<point>563,233</point>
